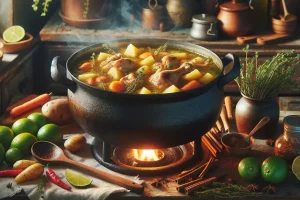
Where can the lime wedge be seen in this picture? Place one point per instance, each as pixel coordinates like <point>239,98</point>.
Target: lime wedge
<point>296,167</point>
<point>76,179</point>
<point>14,34</point>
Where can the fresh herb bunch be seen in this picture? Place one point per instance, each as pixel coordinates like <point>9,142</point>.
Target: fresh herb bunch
<point>267,80</point>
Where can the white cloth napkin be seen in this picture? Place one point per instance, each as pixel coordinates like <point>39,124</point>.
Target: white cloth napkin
<point>97,190</point>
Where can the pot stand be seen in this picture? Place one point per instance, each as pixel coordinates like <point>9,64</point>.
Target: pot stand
<point>175,159</point>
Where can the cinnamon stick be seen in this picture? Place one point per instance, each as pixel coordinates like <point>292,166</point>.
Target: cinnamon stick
<point>209,146</point>
<point>224,118</point>
<point>206,168</point>
<point>188,190</point>
<point>181,187</point>
<point>215,140</point>
<point>228,104</point>
<point>212,143</point>
<point>219,125</point>
<point>190,174</point>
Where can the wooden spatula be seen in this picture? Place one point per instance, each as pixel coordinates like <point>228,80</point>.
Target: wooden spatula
<point>268,39</point>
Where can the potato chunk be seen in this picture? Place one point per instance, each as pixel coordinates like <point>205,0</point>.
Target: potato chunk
<point>198,60</point>
<point>115,73</point>
<point>171,89</point>
<point>180,55</point>
<point>148,61</point>
<point>85,76</point>
<point>145,70</point>
<point>193,75</point>
<point>207,78</point>
<point>132,51</point>
<point>103,56</point>
<point>144,91</point>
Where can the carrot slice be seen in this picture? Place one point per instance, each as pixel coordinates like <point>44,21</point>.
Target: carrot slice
<point>146,55</point>
<point>191,85</point>
<point>91,81</point>
<point>85,66</point>
<point>29,105</point>
<point>117,86</point>
<point>102,79</point>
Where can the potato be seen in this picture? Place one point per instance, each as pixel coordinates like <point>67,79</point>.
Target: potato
<point>132,51</point>
<point>193,75</point>
<point>75,143</point>
<point>180,55</point>
<point>145,70</point>
<point>206,78</point>
<point>171,89</point>
<point>103,56</point>
<point>198,60</point>
<point>144,91</point>
<point>57,111</point>
<point>148,61</point>
<point>115,73</point>
<point>85,76</point>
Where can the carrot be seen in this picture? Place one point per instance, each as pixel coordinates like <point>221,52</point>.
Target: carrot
<point>29,105</point>
<point>117,86</point>
<point>91,81</point>
<point>102,79</point>
<point>86,66</point>
<point>191,85</point>
<point>146,55</point>
<point>31,173</point>
<point>23,164</point>
<point>24,100</point>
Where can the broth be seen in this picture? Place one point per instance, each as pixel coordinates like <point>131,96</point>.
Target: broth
<point>146,70</point>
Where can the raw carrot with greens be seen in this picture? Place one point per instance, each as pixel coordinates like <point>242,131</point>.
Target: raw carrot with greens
<point>24,100</point>
<point>117,86</point>
<point>29,105</point>
<point>56,180</point>
<point>191,85</point>
<point>31,173</point>
<point>23,164</point>
<point>10,172</point>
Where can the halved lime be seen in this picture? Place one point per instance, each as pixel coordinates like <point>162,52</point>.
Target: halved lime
<point>76,179</point>
<point>14,34</point>
<point>296,167</point>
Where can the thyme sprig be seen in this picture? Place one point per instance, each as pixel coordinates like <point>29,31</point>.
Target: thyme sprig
<point>267,80</point>
<point>93,61</point>
<point>130,88</point>
<point>226,190</point>
<point>161,48</point>
<point>41,186</point>
<point>108,49</point>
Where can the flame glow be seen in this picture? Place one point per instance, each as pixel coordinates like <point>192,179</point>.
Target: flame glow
<point>146,155</point>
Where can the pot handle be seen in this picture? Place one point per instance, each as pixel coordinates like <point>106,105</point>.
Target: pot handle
<point>58,74</point>
<point>230,72</point>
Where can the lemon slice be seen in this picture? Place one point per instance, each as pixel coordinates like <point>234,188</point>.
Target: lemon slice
<point>296,167</point>
<point>76,179</point>
<point>14,34</point>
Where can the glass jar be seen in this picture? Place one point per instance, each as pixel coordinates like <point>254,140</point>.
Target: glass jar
<point>287,145</point>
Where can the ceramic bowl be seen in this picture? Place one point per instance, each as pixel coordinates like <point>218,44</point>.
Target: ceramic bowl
<point>284,26</point>
<point>16,47</point>
<point>228,139</point>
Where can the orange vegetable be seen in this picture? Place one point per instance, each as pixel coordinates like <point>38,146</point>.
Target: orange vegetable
<point>191,85</point>
<point>102,79</point>
<point>91,81</point>
<point>29,105</point>
<point>117,86</point>
<point>146,55</point>
<point>23,164</point>
<point>86,66</point>
<point>28,98</point>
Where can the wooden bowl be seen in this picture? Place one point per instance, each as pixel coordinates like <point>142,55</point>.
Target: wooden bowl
<point>229,141</point>
<point>284,26</point>
<point>15,47</point>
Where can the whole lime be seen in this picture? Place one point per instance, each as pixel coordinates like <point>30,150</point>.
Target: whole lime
<point>2,154</point>
<point>13,155</point>
<point>23,141</point>
<point>39,119</point>
<point>274,169</point>
<point>249,168</point>
<point>51,133</point>
<point>6,136</point>
<point>24,125</point>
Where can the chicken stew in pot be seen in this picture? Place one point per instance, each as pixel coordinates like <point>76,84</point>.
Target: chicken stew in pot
<point>145,70</point>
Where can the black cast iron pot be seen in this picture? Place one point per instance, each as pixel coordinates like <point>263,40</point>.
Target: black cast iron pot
<point>145,121</point>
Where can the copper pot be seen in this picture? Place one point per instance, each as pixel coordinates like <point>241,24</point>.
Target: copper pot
<point>236,19</point>
<point>152,16</point>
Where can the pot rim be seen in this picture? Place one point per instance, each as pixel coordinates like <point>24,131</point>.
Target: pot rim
<point>185,45</point>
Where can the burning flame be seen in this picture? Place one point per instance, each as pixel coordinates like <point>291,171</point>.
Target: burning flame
<point>146,155</point>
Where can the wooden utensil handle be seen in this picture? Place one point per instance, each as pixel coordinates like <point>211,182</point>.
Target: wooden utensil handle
<point>128,184</point>
<point>271,38</point>
<point>246,39</point>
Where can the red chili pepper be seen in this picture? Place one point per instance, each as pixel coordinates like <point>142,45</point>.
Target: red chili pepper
<point>56,180</point>
<point>10,172</point>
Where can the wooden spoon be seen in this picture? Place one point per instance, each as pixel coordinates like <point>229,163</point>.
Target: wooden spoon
<point>287,15</point>
<point>260,124</point>
<point>48,152</point>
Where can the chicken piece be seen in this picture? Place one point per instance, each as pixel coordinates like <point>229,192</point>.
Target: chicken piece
<point>165,78</point>
<point>111,58</point>
<point>129,79</point>
<point>123,64</point>
<point>170,62</point>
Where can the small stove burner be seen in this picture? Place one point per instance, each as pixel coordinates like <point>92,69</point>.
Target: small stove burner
<point>169,160</point>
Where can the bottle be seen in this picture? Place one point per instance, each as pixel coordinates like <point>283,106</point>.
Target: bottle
<point>287,145</point>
